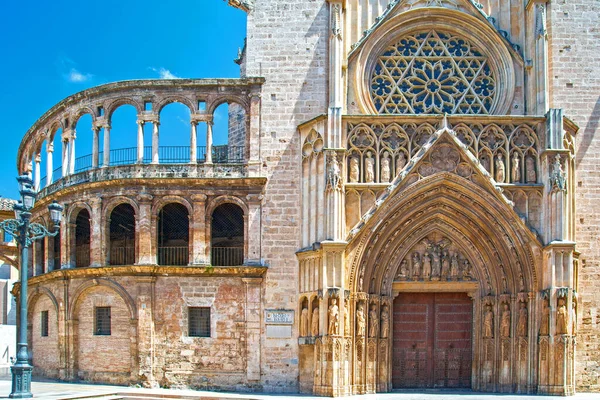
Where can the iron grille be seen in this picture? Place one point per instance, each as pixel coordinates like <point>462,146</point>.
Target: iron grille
<point>199,321</point>
<point>102,321</point>
<point>44,323</point>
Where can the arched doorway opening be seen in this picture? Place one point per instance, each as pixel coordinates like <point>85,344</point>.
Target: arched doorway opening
<point>173,235</point>
<point>122,235</point>
<point>82,239</point>
<point>227,235</point>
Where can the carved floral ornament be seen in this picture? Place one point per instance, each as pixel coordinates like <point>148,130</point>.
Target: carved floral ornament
<point>433,72</point>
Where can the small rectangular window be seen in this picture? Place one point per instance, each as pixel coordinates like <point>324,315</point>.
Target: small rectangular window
<point>199,321</point>
<point>44,323</point>
<point>147,106</point>
<point>201,105</point>
<point>102,321</point>
<point>101,111</point>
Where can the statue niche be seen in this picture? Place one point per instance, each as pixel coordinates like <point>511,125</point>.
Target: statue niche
<point>434,258</point>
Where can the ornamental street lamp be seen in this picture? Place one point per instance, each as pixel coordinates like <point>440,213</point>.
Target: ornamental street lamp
<point>26,233</point>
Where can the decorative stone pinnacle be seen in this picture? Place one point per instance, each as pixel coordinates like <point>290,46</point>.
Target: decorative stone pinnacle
<point>244,5</point>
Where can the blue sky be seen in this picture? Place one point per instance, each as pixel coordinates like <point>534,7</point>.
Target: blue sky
<point>52,49</point>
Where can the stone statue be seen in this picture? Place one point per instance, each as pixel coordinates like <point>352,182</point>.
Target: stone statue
<point>515,172</point>
<point>334,179</point>
<point>315,322</point>
<point>403,270</point>
<point>400,162</point>
<point>505,322</point>
<point>488,322</point>
<point>454,268</point>
<point>386,172</point>
<point>574,317</point>
<point>562,318</point>
<point>545,323</point>
<point>416,267</point>
<point>334,318</point>
<point>522,322</point>
<point>304,322</point>
<point>426,266</point>
<point>558,180</point>
<point>354,170</point>
<point>445,265</point>
<point>500,171</point>
<point>466,272</point>
<point>530,167</point>
<point>373,321</point>
<point>385,322</point>
<point>369,168</point>
<point>346,317</point>
<point>360,321</point>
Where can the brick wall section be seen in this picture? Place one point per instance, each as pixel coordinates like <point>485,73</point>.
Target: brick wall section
<point>574,32</point>
<point>218,361</point>
<point>104,358</point>
<point>287,45</point>
<point>45,349</point>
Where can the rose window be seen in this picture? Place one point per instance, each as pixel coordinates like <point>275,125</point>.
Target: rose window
<point>433,73</point>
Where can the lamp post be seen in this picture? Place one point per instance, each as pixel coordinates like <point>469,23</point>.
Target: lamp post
<point>26,233</point>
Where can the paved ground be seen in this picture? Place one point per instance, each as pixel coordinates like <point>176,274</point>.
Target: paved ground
<point>58,390</point>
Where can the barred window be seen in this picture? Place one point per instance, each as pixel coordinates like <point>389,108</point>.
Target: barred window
<point>102,321</point>
<point>199,321</point>
<point>44,323</point>
<point>433,73</point>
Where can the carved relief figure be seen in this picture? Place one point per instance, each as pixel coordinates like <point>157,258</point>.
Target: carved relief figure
<point>416,267</point>
<point>505,322</point>
<point>545,323</point>
<point>304,322</point>
<point>386,172</point>
<point>445,264</point>
<point>385,322</point>
<point>369,168</point>
<point>334,318</point>
<point>488,322</point>
<point>360,321</point>
<point>373,321</point>
<point>530,167</point>
<point>400,162</point>
<point>354,170</point>
<point>466,272</point>
<point>454,267</point>
<point>558,181</point>
<point>403,270</point>
<point>500,171</point>
<point>562,318</point>
<point>426,266</point>
<point>315,322</point>
<point>574,317</point>
<point>515,172</point>
<point>522,322</point>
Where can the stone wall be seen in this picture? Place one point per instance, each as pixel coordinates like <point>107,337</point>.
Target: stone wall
<point>575,87</point>
<point>287,45</point>
<point>237,125</point>
<point>45,348</point>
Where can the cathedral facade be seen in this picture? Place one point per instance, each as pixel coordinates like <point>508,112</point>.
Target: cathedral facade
<point>406,200</point>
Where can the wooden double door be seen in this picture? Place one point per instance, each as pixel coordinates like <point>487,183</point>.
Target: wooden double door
<point>432,345</point>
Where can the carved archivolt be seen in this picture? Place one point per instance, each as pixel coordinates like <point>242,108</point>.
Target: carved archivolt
<point>433,72</point>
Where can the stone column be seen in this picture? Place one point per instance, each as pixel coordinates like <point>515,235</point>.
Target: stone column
<point>145,330</point>
<point>140,141</point>
<point>143,228</point>
<point>193,155</point>
<point>106,152</point>
<point>49,163</point>
<point>72,152</point>
<point>65,156</point>
<point>97,256</point>
<point>155,125</point>
<point>254,230</point>
<point>253,135</point>
<point>209,141</point>
<point>253,336</point>
<point>96,146</point>
<point>198,225</point>
<point>37,172</point>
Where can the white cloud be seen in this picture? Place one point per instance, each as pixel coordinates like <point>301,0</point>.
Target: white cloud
<point>164,73</point>
<point>77,77</point>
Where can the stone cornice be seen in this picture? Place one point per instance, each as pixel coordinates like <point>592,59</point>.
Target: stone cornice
<point>149,271</point>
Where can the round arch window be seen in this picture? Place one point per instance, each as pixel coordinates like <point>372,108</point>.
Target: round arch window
<point>432,73</point>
